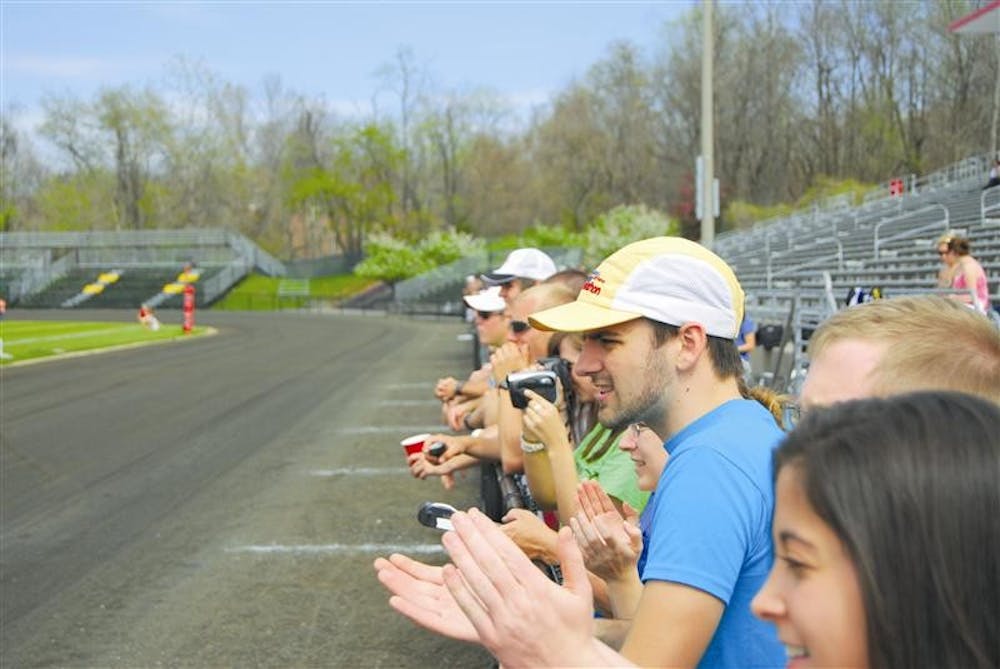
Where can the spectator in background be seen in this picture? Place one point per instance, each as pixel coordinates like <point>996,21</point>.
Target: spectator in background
<point>473,284</point>
<point>522,268</point>
<point>488,309</point>
<point>946,271</point>
<point>460,398</point>
<point>964,272</point>
<point>571,278</point>
<point>148,318</point>
<point>860,494</point>
<point>746,341</point>
<point>994,179</point>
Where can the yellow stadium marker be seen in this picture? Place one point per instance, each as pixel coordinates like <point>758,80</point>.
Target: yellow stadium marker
<point>175,288</point>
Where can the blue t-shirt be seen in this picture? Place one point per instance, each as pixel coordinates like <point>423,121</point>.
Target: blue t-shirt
<point>709,525</point>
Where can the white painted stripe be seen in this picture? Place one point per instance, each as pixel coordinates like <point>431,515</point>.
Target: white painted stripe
<point>71,335</point>
<point>465,336</point>
<point>334,549</point>
<point>389,429</point>
<point>410,403</point>
<point>360,471</point>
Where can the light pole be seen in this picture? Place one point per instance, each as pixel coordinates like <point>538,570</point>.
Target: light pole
<point>708,165</point>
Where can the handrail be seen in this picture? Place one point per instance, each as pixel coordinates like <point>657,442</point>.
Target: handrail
<point>839,255</point>
<point>983,210</point>
<point>908,233</point>
<point>213,287</point>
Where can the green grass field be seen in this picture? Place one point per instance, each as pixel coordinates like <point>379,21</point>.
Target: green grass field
<point>260,293</point>
<point>28,340</point>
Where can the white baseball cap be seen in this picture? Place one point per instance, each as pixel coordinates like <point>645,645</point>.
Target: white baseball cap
<point>665,279</point>
<point>486,300</point>
<point>527,263</point>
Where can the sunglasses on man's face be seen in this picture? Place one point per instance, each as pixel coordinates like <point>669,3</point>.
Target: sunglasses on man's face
<point>519,327</point>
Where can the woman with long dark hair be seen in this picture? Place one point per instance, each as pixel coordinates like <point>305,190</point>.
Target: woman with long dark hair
<point>887,536</point>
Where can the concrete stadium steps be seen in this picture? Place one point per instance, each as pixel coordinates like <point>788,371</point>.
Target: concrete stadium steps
<point>60,290</point>
<point>798,270</point>
<point>135,286</point>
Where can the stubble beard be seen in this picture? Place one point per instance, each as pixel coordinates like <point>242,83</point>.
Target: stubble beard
<point>647,406</point>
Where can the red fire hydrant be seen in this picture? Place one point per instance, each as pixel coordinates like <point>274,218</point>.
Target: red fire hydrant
<point>188,308</point>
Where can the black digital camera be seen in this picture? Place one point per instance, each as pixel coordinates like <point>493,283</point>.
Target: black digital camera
<point>542,382</point>
<point>436,515</point>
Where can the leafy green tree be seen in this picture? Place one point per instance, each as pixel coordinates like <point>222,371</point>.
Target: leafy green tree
<point>81,201</point>
<point>623,225</point>
<point>392,259</point>
<point>355,190</point>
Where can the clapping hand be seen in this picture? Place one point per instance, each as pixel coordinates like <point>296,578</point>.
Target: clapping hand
<point>611,544</point>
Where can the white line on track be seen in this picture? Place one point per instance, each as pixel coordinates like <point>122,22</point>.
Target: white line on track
<point>359,471</point>
<point>409,403</point>
<point>71,335</point>
<point>336,549</point>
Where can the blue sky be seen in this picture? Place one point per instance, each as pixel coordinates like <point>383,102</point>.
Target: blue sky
<point>524,51</point>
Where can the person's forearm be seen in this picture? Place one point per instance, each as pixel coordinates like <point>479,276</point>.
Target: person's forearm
<point>483,446</point>
<point>551,475</point>
<point>509,431</point>
<point>564,473</point>
<point>474,387</point>
<point>538,473</point>
<point>460,461</point>
<point>624,594</point>
<point>600,592</point>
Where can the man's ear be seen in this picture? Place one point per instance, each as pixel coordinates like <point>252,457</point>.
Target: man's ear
<point>693,343</point>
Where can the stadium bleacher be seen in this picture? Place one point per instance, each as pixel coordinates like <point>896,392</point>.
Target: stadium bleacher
<point>65,269</point>
<point>798,269</point>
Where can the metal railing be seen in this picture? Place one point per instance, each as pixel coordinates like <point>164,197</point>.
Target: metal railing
<point>912,232</point>
<point>215,286</point>
<point>36,279</point>
<point>812,262</point>
<point>988,210</point>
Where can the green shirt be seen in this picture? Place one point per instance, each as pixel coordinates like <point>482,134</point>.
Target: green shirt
<point>613,469</point>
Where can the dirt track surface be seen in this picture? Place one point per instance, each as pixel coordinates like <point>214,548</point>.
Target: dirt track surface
<point>219,502</point>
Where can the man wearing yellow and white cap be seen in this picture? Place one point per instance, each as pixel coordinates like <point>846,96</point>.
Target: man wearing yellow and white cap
<point>659,318</point>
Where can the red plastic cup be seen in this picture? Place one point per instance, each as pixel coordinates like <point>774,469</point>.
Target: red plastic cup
<point>414,444</point>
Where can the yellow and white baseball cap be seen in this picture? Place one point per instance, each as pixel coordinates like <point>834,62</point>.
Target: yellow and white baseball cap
<point>666,279</point>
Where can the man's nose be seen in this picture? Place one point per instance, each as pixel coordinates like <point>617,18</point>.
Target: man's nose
<point>588,362</point>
